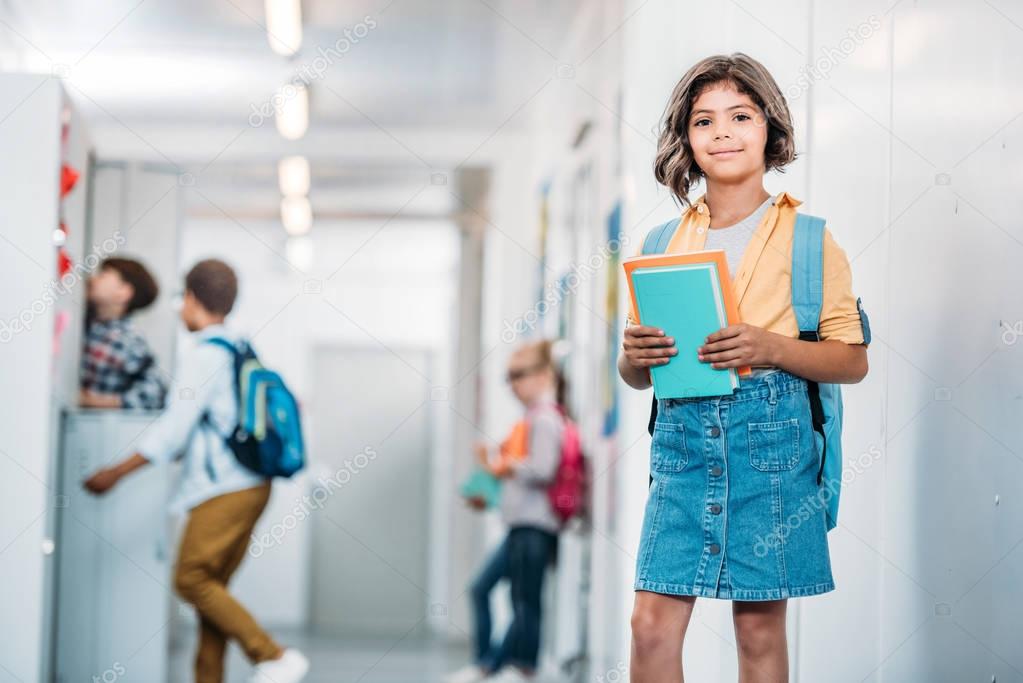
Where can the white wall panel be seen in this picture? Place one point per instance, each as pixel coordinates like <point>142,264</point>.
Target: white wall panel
<point>954,276</point>
<point>848,161</point>
<point>39,379</point>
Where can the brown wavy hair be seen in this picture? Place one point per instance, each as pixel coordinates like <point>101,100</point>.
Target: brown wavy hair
<point>675,165</point>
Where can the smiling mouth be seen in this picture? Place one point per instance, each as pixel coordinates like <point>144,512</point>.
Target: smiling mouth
<point>725,151</point>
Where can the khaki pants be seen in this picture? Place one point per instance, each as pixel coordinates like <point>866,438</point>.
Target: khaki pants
<point>215,542</point>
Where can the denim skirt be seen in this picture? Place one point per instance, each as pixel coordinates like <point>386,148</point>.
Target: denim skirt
<point>734,509</point>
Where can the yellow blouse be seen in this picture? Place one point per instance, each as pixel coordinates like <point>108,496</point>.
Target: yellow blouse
<point>763,285</point>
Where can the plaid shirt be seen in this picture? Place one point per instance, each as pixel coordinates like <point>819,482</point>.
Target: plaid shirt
<point>117,360</point>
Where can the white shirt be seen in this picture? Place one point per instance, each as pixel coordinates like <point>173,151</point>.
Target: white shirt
<point>736,237</point>
<point>203,384</point>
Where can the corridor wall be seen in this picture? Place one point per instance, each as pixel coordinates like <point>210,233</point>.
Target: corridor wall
<point>39,337</point>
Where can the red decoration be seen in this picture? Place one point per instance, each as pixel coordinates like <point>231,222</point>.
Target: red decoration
<point>68,178</point>
<point>63,262</point>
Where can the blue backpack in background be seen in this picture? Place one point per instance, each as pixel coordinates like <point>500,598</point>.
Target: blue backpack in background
<point>268,436</point>
<point>807,301</point>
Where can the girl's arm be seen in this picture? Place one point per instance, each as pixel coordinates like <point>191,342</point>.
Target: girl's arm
<point>821,361</point>
<point>637,378</point>
<point>643,348</point>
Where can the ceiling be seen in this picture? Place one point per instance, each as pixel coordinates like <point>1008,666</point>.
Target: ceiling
<point>422,86</point>
<point>421,62</point>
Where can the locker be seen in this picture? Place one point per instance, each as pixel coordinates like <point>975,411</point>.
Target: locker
<point>114,589</point>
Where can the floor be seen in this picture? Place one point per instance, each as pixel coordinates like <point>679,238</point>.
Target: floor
<point>344,661</point>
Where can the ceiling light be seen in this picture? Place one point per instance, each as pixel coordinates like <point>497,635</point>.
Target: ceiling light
<point>296,215</point>
<point>293,176</point>
<point>284,26</point>
<point>292,110</point>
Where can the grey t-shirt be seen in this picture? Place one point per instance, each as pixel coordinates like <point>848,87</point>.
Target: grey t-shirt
<point>734,238</point>
<point>524,500</point>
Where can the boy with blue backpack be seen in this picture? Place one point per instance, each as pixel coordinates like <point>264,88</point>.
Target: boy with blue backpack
<point>235,426</point>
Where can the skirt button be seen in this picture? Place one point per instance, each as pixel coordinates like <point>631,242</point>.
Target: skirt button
<point>715,471</point>
<point>715,431</point>
<point>715,508</point>
<point>714,549</point>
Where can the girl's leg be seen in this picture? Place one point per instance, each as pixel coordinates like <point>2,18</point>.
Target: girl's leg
<point>528,557</point>
<point>659,625</point>
<point>495,569</point>
<point>760,637</point>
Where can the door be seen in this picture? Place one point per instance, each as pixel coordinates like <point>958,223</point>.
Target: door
<point>370,454</point>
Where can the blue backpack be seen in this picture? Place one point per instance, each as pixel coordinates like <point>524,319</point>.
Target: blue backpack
<point>807,299</point>
<point>268,436</point>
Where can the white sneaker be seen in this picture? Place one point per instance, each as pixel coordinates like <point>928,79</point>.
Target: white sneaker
<point>510,674</point>
<point>290,668</point>
<point>470,673</point>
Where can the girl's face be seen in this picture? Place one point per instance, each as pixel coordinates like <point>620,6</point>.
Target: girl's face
<point>728,134</point>
<point>528,377</point>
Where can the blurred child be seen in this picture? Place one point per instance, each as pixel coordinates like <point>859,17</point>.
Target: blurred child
<point>224,499</point>
<point>527,463</point>
<point>118,370</point>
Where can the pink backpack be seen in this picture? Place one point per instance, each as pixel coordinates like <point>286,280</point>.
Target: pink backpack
<point>568,490</point>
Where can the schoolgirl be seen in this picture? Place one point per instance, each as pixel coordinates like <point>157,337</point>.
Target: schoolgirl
<point>728,472</point>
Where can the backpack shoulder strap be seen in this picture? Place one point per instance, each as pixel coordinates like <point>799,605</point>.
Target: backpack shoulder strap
<point>237,356</point>
<point>807,300</point>
<point>658,238</point>
<point>808,274</point>
<point>223,343</point>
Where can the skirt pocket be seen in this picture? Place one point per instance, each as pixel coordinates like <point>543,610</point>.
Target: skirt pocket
<point>774,446</point>
<point>668,449</point>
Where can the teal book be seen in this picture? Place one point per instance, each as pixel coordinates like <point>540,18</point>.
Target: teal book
<point>685,301</point>
<point>482,484</point>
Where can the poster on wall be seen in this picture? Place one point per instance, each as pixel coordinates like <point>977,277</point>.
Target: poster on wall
<point>609,388</point>
<point>544,227</point>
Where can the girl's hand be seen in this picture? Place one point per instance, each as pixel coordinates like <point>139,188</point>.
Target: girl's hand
<point>498,468</point>
<point>482,454</point>
<point>646,346</point>
<point>738,345</point>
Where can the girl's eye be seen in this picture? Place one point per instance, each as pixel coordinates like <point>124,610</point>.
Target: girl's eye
<point>700,122</point>
<point>742,117</point>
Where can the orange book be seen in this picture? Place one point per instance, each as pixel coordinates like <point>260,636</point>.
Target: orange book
<point>514,447</point>
<point>716,257</point>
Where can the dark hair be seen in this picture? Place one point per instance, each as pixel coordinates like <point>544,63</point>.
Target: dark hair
<point>145,289</point>
<point>214,284</point>
<point>675,166</point>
